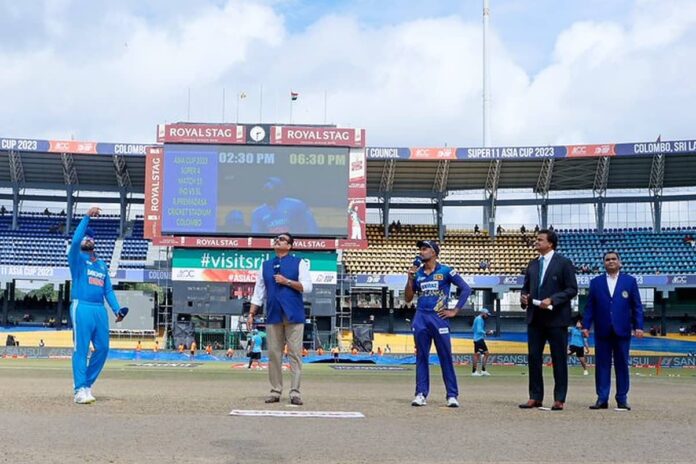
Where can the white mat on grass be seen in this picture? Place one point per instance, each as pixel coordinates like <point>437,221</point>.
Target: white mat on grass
<point>323,414</point>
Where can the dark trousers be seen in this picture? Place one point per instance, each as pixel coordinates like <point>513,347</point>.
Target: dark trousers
<point>536,339</point>
<point>607,348</point>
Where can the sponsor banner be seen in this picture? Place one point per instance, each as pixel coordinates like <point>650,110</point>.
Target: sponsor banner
<point>357,208</point>
<point>433,153</point>
<point>298,135</point>
<point>72,146</point>
<point>242,242</point>
<point>240,276</point>
<point>122,148</point>
<point>369,368</point>
<point>649,281</point>
<point>584,151</point>
<point>35,272</point>
<point>651,361</point>
<point>383,153</point>
<point>201,133</point>
<point>651,148</point>
<point>154,169</point>
<point>533,152</point>
<point>61,274</point>
<point>24,145</point>
<point>242,266</point>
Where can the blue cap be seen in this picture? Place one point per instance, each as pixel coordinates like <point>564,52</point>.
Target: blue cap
<point>429,244</point>
<point>485,311</point>
<point>89,233</point>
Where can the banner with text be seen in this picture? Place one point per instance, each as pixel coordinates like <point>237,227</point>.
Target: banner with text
<point>242,266</point>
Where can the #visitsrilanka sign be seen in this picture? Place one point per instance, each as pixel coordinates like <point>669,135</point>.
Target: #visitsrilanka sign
<point>212,265</point>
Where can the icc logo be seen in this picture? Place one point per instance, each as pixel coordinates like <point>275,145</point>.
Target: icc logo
<point>184,273</point>
<point>680,279</point>
<point>510,280</point>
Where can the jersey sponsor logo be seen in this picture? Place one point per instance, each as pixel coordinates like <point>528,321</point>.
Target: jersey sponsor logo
<point>453,273</point>
<point>431,286</point>
<point>443,330</point>
<point>95,277</point>
<point>439,277</point>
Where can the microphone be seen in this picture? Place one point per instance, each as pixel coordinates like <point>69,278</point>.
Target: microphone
<point>276,269</point>
<point>418,262</point>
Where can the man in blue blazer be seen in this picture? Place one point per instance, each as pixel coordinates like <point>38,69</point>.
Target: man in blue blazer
<point>614,307</point>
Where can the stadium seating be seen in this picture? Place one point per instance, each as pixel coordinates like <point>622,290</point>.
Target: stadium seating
<point>39,240</point>
<point>642,251</point>
<point>134,247</point>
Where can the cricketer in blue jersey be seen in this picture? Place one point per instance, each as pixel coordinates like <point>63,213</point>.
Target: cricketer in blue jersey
<point>431,281</point>
<point>90,285</point>
<point>480,347</point>
<point>578,344</point>
<point>280,213</point>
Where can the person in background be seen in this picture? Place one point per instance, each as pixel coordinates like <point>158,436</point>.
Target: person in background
<point>578,344</point>
<point>480,347</point>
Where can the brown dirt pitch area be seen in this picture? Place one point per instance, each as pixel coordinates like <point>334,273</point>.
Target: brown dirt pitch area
<point>155,414</point>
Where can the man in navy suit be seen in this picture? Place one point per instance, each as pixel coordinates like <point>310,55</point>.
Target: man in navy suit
<point>549,287</point>
<point>614,307</point>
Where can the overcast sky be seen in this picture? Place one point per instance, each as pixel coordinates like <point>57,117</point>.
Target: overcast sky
<point>571,71</point>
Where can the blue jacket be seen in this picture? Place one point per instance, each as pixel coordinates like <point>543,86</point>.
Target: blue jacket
<point>622,312</point>
<point>281,299</point>
<point>90,279</point>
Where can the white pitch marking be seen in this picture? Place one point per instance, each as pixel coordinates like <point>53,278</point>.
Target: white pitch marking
<point>322,414</point>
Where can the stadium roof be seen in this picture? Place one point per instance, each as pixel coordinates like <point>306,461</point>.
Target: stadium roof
<point>411,178</point>
<point>395,172</point>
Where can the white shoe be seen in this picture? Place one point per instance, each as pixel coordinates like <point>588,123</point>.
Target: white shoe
<point>419,400</point>
<point>485,373</point>
<point>90,397</point>
<point>81,397</point>
<point>452,402</point>
<point>476,374</point>
<point>585,372</point>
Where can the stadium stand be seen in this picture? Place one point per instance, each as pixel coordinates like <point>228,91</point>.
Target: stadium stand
<point>39,240</point>
<point>135,247</point>
<point>642,251</point>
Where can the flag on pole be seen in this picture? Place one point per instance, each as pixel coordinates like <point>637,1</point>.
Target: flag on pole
<point>242,95</point>
<point>294,95</point>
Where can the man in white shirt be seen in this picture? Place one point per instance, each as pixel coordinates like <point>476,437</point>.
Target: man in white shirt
<point>279,287</point>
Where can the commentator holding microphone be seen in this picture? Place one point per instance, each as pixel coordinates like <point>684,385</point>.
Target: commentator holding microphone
<point>279,287</point>
<point>549,286</point>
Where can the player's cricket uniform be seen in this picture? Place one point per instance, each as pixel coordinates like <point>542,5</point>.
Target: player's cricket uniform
<point>90,285</point>
<point>433,293</point>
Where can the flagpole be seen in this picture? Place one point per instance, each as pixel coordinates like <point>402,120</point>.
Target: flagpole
<point>486,78</point>
<point>239,99</point>
<point>188,106</point>
<point>223,104</point>
<point>291,102</point>
<point>261,103</point>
